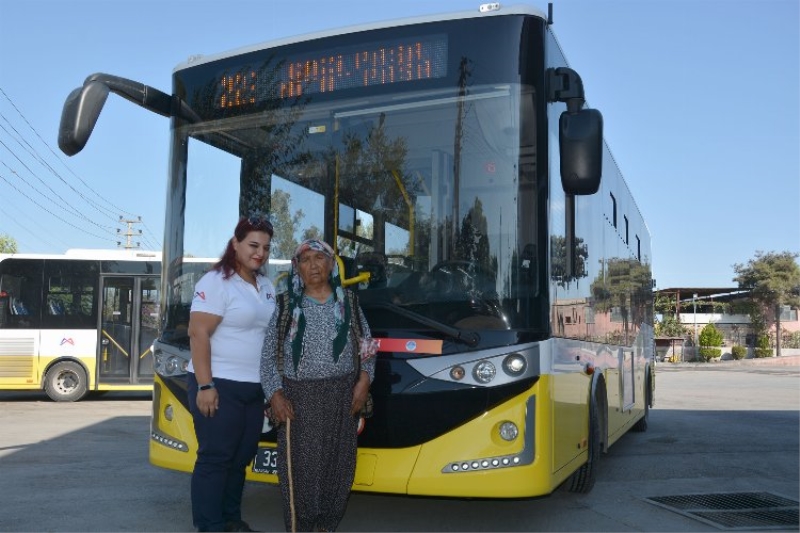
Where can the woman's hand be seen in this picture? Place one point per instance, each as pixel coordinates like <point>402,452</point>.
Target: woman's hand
<point>360,392</point>
<point>281,408</point>
<point>208,402</point>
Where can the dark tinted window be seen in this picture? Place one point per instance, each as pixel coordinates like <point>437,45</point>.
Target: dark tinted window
<point>20,293</point>
<point>70,294</point>
<point>131,267</point>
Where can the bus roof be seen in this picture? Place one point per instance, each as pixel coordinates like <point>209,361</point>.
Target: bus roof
<point>87,253</point>
<point>474,13</point>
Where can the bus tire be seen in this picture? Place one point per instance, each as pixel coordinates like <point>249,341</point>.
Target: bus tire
<point>582,480</point>
<point>641,425</point>
<point>65,382</point>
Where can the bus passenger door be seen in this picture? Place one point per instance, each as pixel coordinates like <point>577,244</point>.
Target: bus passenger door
<point>129,326</point>
<point>149,290</point>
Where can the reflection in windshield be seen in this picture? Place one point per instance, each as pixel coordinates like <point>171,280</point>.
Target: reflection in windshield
<point>422,193</point>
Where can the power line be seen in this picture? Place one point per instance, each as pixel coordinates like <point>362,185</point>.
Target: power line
<point>15,220</point>
<point>66,206</point>
<point>31,151</point>
<point>50,149</point>
<point>157,240</point>
<point>47,210</point>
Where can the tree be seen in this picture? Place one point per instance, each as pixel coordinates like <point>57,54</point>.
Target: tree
<point>774,281</point>
<point>558,269</point>
<point>8,245</point>
<point>472,240</point>
<point>666,305</point>
<point>710,340</point>
<point>669,326</point>
<point>285,224</point>
<point>627,285</point>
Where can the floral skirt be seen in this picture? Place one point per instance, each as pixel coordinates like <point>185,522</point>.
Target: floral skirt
<point>321,452</point>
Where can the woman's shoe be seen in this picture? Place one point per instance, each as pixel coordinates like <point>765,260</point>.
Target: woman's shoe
<point>238,525</point>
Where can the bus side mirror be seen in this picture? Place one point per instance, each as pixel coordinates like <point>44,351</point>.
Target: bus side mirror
<point>580,138</point>
<point>80,113</point>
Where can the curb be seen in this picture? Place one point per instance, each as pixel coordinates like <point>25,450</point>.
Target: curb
<point>785,360</point>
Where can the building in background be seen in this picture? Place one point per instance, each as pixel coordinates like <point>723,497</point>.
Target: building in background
<point>698,306</point>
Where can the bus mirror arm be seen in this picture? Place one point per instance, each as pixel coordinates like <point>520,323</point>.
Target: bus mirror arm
<point>84,104</point>
<point>580,133</point>
<point>565,85</point>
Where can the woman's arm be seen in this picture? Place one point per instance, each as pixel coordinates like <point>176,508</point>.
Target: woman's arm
<point>280,407</point>
<point>201,327</point>
<point>367,374</point>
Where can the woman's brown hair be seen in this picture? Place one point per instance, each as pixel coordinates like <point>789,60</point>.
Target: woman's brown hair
<point>227,263</point>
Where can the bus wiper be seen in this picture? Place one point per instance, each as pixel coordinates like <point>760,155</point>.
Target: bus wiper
<point>470,338</point>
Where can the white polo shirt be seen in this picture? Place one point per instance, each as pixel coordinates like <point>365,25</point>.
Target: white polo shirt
<point>237,341</point>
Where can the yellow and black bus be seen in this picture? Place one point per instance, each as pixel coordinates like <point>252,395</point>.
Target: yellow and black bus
<point>499,256</point>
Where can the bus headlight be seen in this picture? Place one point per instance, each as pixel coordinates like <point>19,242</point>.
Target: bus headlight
<point>508,431</point>
<point>484,372</point>
<point>176,365</point>
<point>169,360</point>
<point>515,364</point>
<point>493,367</point>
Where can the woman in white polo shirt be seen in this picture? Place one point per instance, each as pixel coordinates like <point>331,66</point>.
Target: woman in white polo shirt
<point>231,309</point>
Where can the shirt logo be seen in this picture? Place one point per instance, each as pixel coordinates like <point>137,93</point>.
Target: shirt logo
<point>66,340</point>
<point>201,295</point>
<point>269,297</point>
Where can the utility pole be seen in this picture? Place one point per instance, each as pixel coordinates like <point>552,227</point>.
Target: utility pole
<point>696,347</point>
<point>130,233</point>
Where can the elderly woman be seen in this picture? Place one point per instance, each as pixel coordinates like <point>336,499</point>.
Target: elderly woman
<point>309,361</point>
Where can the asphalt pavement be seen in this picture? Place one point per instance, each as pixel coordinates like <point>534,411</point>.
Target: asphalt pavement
<point>719,430</point>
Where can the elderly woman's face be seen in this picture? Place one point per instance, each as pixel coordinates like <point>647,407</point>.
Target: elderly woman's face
<point>314,267</point>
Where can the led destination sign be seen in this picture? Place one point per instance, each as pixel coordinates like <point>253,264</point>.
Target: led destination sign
<point>381,63</point>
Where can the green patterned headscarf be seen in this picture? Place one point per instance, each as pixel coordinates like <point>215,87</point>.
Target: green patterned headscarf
<point>341,311</point>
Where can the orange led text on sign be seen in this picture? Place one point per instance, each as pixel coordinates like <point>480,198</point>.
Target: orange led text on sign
<point>330,72</point>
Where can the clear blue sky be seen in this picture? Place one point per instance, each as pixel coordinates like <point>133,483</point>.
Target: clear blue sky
<point>701,101</point>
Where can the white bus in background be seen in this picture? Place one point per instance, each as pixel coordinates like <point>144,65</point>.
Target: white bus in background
<point>85,320</point>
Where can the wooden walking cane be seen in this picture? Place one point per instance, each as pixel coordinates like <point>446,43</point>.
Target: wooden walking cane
<point>289,465</point>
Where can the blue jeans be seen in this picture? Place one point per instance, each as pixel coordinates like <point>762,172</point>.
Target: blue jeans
<point>227,443</point>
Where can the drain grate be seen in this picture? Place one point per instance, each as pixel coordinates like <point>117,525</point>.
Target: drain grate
<point>735,510</point>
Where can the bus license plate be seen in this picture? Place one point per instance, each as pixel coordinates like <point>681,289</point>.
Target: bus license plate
<point>266,461</point>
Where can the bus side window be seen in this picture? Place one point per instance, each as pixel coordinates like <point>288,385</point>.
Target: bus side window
<point>55,307</point>
<point>21,315</point>
<point>19,308</point>
<point>14,312</point>
<point>21,281</point>
<point>5,308</point>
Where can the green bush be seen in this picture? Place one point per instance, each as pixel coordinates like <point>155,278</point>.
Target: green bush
<point>710,338</point>
<point>707,353</point>
<point>763,348</point>
<point>739,352</point>
<point>793,341</point>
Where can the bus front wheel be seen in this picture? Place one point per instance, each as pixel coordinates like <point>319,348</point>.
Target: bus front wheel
<point>65,382</point>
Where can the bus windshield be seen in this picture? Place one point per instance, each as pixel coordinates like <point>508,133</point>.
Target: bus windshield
<point>426,192</point>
